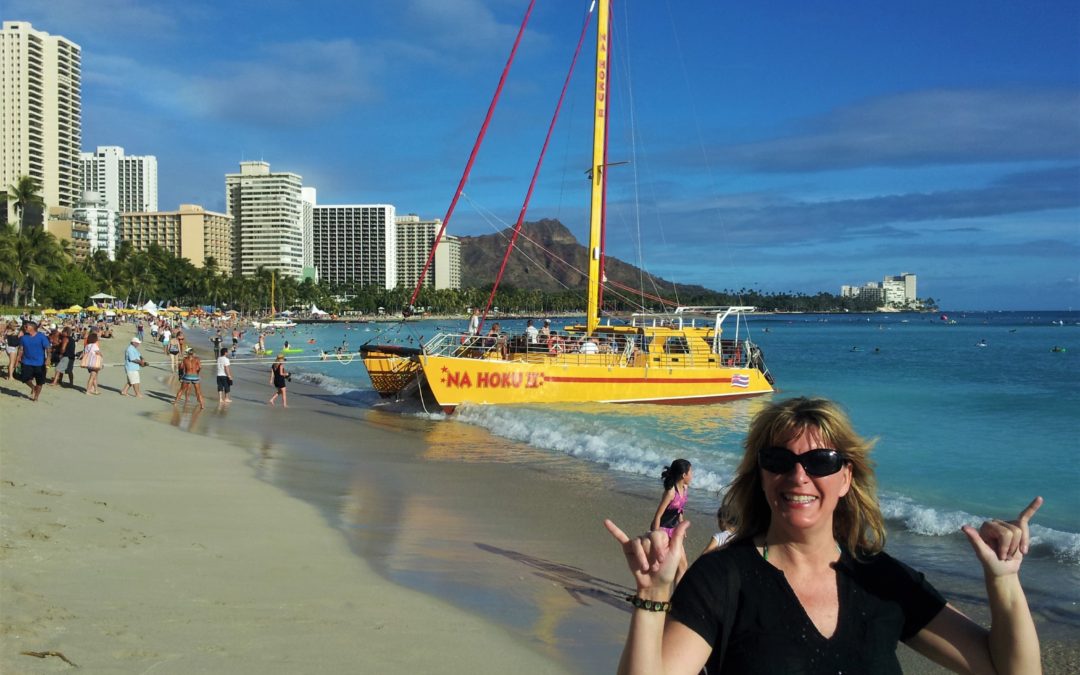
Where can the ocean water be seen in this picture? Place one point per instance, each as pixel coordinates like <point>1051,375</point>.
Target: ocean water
<point>973,419</point>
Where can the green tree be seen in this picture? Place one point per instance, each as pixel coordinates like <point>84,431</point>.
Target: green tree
<point>26,258</point>
<point>26,193</point>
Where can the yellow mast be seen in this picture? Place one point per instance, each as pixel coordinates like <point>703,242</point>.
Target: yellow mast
<point>598,177</point>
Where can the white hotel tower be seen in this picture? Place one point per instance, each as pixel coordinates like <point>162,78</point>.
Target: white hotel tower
<point>268,219</point>
<point>355,244</point>
<point>127,183</point>
<point>40,113</point>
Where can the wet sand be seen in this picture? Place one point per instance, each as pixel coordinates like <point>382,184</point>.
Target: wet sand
<point>320,538</point>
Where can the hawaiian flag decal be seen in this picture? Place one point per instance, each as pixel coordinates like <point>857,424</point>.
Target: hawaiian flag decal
<point>740,380</point>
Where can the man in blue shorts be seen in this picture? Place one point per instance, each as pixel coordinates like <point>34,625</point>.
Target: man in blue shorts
<point>33,348</point>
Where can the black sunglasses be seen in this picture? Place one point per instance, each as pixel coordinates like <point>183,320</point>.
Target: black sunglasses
<point>818,463</point>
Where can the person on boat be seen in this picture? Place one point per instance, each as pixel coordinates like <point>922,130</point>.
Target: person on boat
<point>496,339</point>
<point>589,346</point>
<point>545,330</point>
<point>810,532</point>
<point>669,513</point>
<point>474,322</point>
<point>279,377</point>
<point>532,335</point>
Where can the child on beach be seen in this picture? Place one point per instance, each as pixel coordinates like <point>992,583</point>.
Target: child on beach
<point>676,479</point>
<point>279,377</point>
<point>91,360</point>
<point>726,525</point>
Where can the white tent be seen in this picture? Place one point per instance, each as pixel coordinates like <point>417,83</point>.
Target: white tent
<point>150,307</point>
<point>102,296</point>
<point>318,312</point>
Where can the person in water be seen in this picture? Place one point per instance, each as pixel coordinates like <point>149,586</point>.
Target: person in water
<point>669,513</point>
<point>805,584</point>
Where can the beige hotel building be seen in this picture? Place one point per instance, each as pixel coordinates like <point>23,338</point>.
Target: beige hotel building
<point>191,232</point>
<point>40,113</point>
<point>414,240</point>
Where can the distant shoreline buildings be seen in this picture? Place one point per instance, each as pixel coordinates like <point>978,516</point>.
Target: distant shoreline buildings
<point>893,291</point>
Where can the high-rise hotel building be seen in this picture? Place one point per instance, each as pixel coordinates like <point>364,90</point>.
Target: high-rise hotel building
<point>355,244</point>
<point>268,220</point>
<point>190,232</point>
<point>40,113</point>
<point>125,182</point>
<point>415,238</point>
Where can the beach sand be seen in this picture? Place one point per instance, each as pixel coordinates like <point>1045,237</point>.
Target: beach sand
<point>322,538</point>
<point>129,545</point>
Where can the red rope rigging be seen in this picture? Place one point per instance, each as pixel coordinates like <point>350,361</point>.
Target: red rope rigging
<point>472,155</point>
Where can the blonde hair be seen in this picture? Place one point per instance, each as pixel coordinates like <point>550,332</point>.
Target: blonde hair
<point>857,521</point>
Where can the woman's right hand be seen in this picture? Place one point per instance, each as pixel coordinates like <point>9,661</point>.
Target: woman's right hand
<point>653,558</point>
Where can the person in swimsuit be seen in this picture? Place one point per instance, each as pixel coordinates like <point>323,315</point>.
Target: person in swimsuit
<point>676,480</point>
<point>805,585</point>
<point>279,377</point>
<point>190,368</point>
<point>11,345</point>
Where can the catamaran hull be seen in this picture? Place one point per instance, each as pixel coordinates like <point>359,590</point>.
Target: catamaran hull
<point>456,381</point>
<point>392,369</point>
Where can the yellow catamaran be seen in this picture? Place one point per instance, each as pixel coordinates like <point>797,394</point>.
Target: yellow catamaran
<point>690,355</point>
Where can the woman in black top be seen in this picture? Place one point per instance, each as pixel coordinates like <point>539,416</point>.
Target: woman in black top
<point>279,378</point>
<point>806,586</point>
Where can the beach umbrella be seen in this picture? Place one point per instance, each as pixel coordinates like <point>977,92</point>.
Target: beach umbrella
<point>74,309</point>
<point>50,311</point>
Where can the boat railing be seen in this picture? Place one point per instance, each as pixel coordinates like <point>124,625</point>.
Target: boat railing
<point>517,348</point>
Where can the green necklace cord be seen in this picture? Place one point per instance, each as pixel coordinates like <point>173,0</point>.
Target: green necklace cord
<point>765,550</point>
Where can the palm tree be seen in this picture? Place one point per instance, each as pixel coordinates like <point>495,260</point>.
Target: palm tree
<point>25,193</point>
<point>26,257</point>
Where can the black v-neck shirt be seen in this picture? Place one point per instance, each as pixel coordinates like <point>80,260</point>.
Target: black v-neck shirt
<point>882,601</point>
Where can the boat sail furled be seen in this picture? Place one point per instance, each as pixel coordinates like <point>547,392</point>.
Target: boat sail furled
<point>690,355</point>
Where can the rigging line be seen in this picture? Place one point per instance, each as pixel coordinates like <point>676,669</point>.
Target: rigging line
<point>472,155</point>
<point>726,236</point>
<point>556,258</point>
<point>490,218</point>
<point>499,232</point>
<point>635,144</point>
<point>536,171</point>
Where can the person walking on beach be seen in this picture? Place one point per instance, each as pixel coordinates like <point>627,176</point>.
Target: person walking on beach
<point>92,361</point>
<point>279,377</point>
<point>810,532</point>
<point>66,365</point>
<point>133,361</point>
<point>11,346</point>
<point>224,376</point>
<point>669,513</point>
<point>190,369</point>
<point>30,358</point>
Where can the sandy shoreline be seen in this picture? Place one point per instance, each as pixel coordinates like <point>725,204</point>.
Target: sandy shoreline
<point>128,543</point>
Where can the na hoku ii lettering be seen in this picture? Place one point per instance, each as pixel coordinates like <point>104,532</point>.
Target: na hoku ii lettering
<point>491,380</point>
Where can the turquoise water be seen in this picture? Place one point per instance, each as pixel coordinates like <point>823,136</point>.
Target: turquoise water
<point>965,432</point>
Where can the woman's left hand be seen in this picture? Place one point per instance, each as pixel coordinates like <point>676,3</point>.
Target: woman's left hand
<point>1001,545</point>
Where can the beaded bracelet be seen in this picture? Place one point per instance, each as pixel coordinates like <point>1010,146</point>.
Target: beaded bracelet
<point>649,605</point>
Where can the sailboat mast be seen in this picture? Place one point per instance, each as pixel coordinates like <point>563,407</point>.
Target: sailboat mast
<point>592,320</point>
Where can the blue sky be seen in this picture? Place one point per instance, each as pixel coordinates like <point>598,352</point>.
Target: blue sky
<point>772,145</point>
